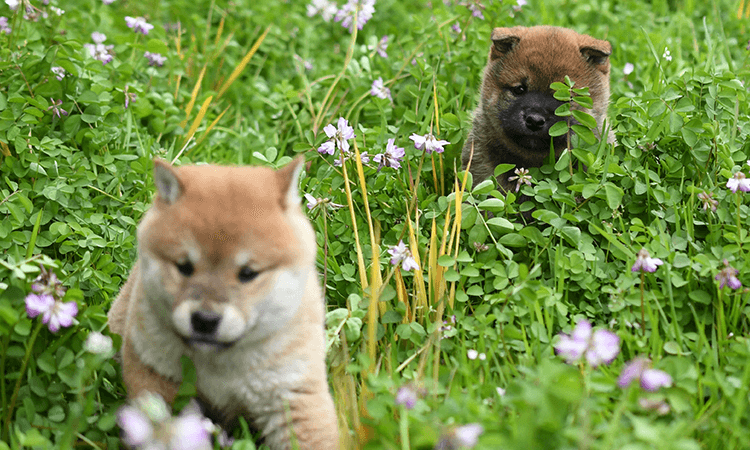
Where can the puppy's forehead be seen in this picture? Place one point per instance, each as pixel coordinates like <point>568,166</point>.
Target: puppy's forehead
<point>231,208</point>
<point>546,55</point>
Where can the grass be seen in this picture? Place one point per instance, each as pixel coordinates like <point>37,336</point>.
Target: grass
<point>235,90</point>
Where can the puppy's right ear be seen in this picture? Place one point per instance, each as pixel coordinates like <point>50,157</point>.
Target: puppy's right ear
<point>168,184</point>
<point>503,41</point>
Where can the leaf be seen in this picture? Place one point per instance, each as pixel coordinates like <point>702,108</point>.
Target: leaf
<point>614,195</point>
<point>558,129</point>
<point>584,119</point>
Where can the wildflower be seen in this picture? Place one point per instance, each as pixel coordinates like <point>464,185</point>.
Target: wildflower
<point>601,346</point>
<point>667,55</point>
<point>101,52</point>
<point>57,110</point>
<point>130,97</point>
<point>481,247</point>
<point>748,45</point>
<point>472,354</point>
<point>707,198</point>
<point>660,406</point>
<point>46,299</point>
<point>391,157</point>
<point>338,137</point>
<point>645,263</point>
<point>108,2</point>
<point>500,391</point>
<point>428,143</point>
<point>456,28</point>
<point>476,10</point>
<point>628,69</point>
<point>155,59</point>
<point>12,4</point>
<point>382,46</point>
<point>148,424</point>
<point>465,436</point>
<point>406,397</point>
<point>313,202</point>
<point>98,343</point>
<point>306,63</point>
<point>4,28</point>
<point>739,181</point>
<point>728,277</point>
<point>364,9</point>
<point>59,72</point>
<point>401,254</point>
<point>98,37</point>
<point>379,90</point>
<point>57,10</point>
<point>522,177</point>
<point>520,4</point>
<point>640,369</point>
<point>138,24</point>
<point>326,8</point>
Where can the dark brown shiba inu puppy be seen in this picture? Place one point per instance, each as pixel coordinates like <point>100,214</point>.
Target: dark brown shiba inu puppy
<point>516,109</point>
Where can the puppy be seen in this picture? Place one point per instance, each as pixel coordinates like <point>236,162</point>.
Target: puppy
<point>226,276</point>
<point>516,109</point>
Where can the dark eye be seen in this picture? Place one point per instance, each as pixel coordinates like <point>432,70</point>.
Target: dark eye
<point>186,268</point>
<point>246,274</point>
<point>518,90</point>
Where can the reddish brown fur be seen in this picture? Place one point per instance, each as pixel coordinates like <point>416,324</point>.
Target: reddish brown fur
<point>538,56</point>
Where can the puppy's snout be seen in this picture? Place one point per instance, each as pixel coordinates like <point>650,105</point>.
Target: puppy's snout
<point>534,121</point>
<point>205,322</point>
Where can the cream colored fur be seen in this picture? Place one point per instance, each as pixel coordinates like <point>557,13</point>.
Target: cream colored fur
<point>257,342</point>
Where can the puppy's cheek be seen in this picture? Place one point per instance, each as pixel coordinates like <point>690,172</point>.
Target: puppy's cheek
<point>234,323</point>
<point>181,317</point>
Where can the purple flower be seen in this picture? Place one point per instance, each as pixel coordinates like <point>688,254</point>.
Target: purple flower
<point>628,69</point>
<point>456,28</point>
<point>138,24</point>
<point>101,52</point>
<point>391,157</point>
<point>728,277</point>
<point>660,406</point>
<point>98,37</point>
<point>313,202</point>
<point>476,10</point>
<point>130,97</point>
<point>4,28</point>
<point>326,8</point>
<point>57,110</point>
<point>155,59</point>
<point>401,254</point>
<point>428,143</point>
<point>147,423</point>
<point>338,137</point>
<point>379,90</point>
<point>406,396</point>
<point>707,198</point>
<point>519,4</point>
<point>108,2</point>
<point>645,263</point>
<point>640,369</point>
<point>55,313</point>
<point>600,346</point>
<point>522,177</point>
<point>12,4</point>
<point>382,47</point>
<point>364,10</point>
<point>59,72</point>
<point>739,181</point>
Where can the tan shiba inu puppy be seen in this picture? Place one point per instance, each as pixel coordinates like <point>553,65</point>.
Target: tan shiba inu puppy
<point>516,108</point>
<point>226,275</point>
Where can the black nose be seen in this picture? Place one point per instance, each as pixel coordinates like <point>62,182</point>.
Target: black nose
<point>534,121</point>
<point>205,322</point>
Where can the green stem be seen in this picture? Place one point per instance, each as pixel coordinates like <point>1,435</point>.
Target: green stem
<point>643,315</point>
<point>404,429</point>
<point>26,357</point>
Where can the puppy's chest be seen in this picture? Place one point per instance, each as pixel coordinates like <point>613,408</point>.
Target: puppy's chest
<point>246,386</point>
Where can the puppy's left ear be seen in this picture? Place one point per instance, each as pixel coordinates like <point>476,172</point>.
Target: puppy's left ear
<point>288,179</point>
<point>168,184</point>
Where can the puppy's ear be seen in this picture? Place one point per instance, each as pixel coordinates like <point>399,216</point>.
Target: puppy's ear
<point>596,52</point>
<point>504,40</point>
<point>168,184</point>
<point>288,180</point>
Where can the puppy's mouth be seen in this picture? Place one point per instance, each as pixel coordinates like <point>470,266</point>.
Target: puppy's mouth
<point>536,142</point>
<point>205,343</point>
